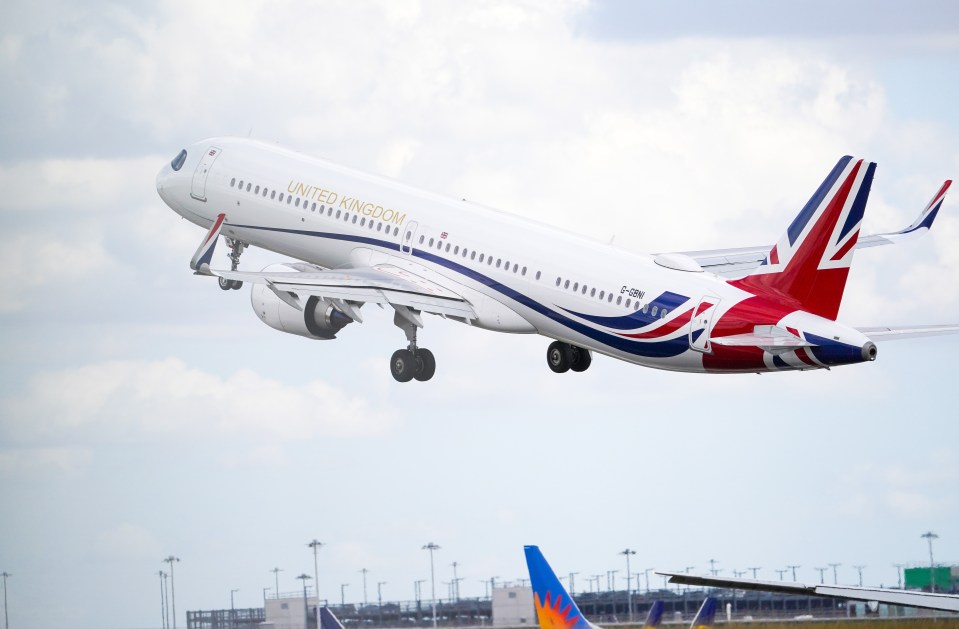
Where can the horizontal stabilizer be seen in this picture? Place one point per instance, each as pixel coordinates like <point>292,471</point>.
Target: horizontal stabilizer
<point>926,600</point>
<point>881,333</point>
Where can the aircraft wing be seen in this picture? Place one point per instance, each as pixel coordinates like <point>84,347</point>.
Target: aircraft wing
<point>917,331</point>
<point>380,284</point>
<point>927,600</point>
<point>740,261</point>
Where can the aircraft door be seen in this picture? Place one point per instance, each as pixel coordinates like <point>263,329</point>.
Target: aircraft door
<point>409,232</point>
<point>198,191</point>
<point>701,324</point>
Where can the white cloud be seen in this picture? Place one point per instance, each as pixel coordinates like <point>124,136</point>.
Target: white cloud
<point>141,400</point>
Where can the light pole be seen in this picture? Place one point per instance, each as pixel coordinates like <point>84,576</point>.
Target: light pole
<point>793,568</point>
<point>276,580</point>
<point>456,583</point>
<point>782,573</point>
<point>646,571</point>
<point>316,545</point>
<point>306,608</point>
<point>835,579</point>
<point>170,560</point>
<point>6,615</point>
<point>379,592</point>
<point>712,567</point>
<point>232,608</point>
<point>265,590</point>
<point>416,590</point>
<point>859,568</point>
<point>364,571</point>
<point>898,567</point>
<point>929,536</point>
<point>822,573</point>
<point>755,570</point>
<point>343,587</point>
<point>161,574</point>
<point>431,547</point>
<point>629,582</point>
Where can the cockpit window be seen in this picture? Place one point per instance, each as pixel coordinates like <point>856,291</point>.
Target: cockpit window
<point>177,162</point>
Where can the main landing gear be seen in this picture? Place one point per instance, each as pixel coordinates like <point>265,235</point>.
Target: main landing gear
<point>412,363</point>
<point>236,250</point>
<point>561,357</point>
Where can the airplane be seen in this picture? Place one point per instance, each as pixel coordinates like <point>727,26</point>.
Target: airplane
<point>556,609</point>
<point>909,598</point>
<point>328,619</point>
<point>360,238</point>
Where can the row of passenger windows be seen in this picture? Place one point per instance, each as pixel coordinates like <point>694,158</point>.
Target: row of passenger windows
<point>603,295</point>
<point>439,243</point>
<point>323,209</point>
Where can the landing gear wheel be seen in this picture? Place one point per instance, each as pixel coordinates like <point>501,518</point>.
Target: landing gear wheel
<point>224,283</point>
<point>559,356</point>
<point>403,365</point>
<point>425,365</point>
<point>237,284</point>
<point>582,359</point>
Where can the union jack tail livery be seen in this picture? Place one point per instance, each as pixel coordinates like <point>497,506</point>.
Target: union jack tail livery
<point>555,608</point>
<point>328,620</point>
<point>809,264</point>
<point>204,253</point>
<point>655,616</point>
<point>706,614</point>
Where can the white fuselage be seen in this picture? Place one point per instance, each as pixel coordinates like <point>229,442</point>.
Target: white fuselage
<point>520,276</point>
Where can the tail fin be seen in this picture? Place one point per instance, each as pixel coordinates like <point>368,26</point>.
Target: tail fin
<point>655,616</point>
<point>555,608</point>
<point>811,261</point>
<point>328,620</point>
<point>706,614</point>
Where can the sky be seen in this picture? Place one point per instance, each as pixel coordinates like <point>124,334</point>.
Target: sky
<point>144,412</point>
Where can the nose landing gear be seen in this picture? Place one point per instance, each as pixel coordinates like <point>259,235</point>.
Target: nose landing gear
<point>236,250</point>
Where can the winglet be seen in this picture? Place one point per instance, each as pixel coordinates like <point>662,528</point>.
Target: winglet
<point>555,608</point>
<point>706,614</point>
<point>928,214</point>
<point>204,253</point>
<point>655,616</point>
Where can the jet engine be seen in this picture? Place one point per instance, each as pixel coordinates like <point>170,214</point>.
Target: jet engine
<point>318,319</point>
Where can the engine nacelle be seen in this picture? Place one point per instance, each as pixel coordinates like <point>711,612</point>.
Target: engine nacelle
<point>318,319</point>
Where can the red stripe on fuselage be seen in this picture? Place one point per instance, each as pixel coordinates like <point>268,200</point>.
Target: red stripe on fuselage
<point>665,329</point>
<point>742,319</point>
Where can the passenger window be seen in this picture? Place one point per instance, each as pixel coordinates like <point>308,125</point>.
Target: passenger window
<point>592,293</point>
<point>498,260</point>
<point>655,308</point>
<point>619,300</point>
<point>264,192</point>
<point>610,298</point>
<point>248,187</point>
<point>379,227</point>
<point>297,201</point>
<point>337,214</point>
<point>645,308</point>
<point>456,250</point>
<point>628,302</point>
<point>371,224</point>
<point>281,198</point>
<point>575,286</point>
<point>482,257</point>
<point>273,194</point>
<point>289,199</point>
<point>421,239</point>
<point>516,268</point>
<point>566,284</point>
<point>537,275</point>
<point>241,185</point>
<point>558,280</point>
<point>663,313</point>
<point>257,191</point>
<point>431,242</point>
<point>233,182</point>
<point>396,230</point>
<point>363,222</point>
<point>313,207</point>
<point>447,247</point>
<point>602,295</point>
<point>584,289</point>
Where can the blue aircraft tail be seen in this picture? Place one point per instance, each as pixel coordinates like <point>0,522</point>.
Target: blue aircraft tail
<point>706,614</point>
<point>328,620</point>
<point>655,616</point>
<point>555,608</point>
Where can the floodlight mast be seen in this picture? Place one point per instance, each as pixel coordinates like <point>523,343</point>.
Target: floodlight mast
<point>629,583</point>
<point>431,547</point>
<point>929,536</point>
